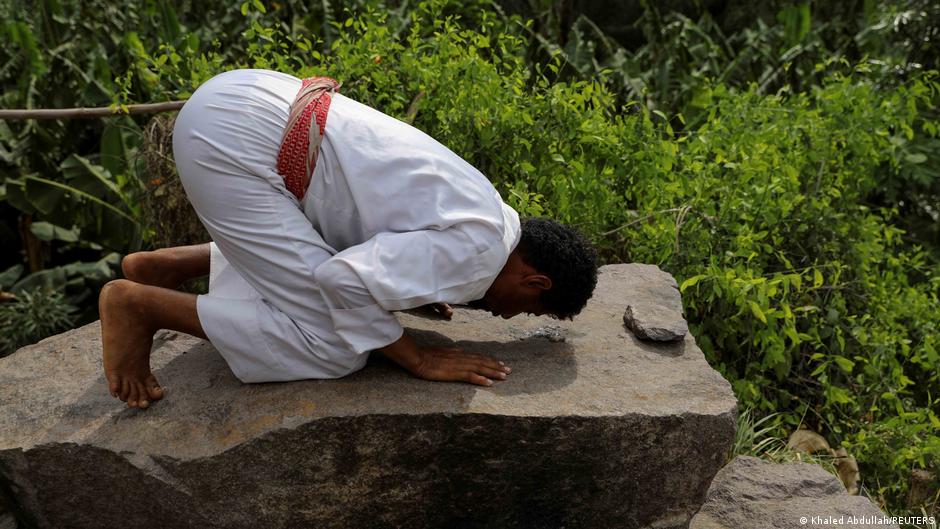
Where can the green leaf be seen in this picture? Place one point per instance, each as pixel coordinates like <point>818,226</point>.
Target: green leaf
<point>16,196</point>
<point>755,308</point>
<point>819,369</point>
<point>915,158</point>
<point>844,363</point>
<point>91,178</point>
<point>98,271</point>
<point>259,6</point>
<point>797,281</point>
<point>42,230</point>
<point>817,278</point>
<point>83,194</point>
<point>51,279</point>
<point>45,231</point>
<point>112,149</point>
<point>244,8</point>
<point>690,282</point>
<point>42,197</point>
<point>838,395</point>
<point>10,275</point>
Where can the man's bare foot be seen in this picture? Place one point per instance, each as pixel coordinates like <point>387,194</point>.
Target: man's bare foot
<point>127,337</point>
<point>167,267</point>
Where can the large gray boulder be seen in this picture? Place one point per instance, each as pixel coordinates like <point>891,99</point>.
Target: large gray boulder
<point>594,428</point>
<point>752,493</point>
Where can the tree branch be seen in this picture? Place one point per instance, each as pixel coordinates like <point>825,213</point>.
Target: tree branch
<point>89,113</point>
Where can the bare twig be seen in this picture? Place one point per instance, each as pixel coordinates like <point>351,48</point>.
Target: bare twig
<point>680,219</point>
<point>86,113</point>
<point>641,219</point>
<point>413,107</point>
<point>819,173</point>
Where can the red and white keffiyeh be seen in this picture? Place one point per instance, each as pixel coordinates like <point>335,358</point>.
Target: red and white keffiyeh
<point>303,135</point>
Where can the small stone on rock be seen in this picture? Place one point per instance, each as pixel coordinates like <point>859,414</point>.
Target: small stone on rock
<point>655,322</point>
<point>552,333</point>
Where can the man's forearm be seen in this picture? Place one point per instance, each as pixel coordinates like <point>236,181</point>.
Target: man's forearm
<point>404,351</point>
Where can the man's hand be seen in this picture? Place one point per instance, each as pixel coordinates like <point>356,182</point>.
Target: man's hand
<point>446,364</point>
<point>453,364</point>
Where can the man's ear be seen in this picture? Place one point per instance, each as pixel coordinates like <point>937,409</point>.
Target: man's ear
<point>538,281</point>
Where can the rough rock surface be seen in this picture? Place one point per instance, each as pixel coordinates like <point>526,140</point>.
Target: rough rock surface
<point>594,428</point>
<point>654,313</point>
<point>752,493</point>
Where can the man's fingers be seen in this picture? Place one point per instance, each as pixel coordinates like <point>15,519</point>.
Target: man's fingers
<point>479,365</point>
<point>491,363</point>
<point>474,378</point>
<point>478,370</point>
<point>486,362</point>
<point>492,373</point>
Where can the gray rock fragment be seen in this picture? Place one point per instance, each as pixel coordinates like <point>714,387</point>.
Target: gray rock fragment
<point>654,308</point>
<point>550,332</point>
<point>751,493</point>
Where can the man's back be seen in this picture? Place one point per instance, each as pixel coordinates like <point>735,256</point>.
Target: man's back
<point>377,174</point>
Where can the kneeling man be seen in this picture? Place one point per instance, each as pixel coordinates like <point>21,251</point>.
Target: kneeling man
<point>325,216</point>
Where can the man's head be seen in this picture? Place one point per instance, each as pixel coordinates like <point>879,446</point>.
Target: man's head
<point>552,271</point>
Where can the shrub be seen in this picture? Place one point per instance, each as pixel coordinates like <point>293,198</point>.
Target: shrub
<point>34,314</point>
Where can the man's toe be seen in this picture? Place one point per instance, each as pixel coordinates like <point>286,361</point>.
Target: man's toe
<point>142,401</point>
<point>134,395</point>
<point>114,386</point>
<point>154,391</point>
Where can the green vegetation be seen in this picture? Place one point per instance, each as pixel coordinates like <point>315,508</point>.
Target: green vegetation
<point>33,313</point>
<point>779,166</point>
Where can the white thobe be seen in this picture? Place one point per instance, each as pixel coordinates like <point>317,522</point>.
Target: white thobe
<point>391,220</point>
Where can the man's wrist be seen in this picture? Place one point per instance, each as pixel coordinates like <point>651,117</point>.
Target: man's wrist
<point>404,352</point>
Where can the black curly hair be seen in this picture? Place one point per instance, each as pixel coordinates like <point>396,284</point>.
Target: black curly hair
<point>565,256</point>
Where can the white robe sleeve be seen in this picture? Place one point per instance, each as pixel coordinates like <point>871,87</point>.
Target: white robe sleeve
<point>397,271</point>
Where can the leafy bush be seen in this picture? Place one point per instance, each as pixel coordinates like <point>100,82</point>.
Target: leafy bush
<point>764,48</point>
<point>34,314</point>
<point>803,295</point>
